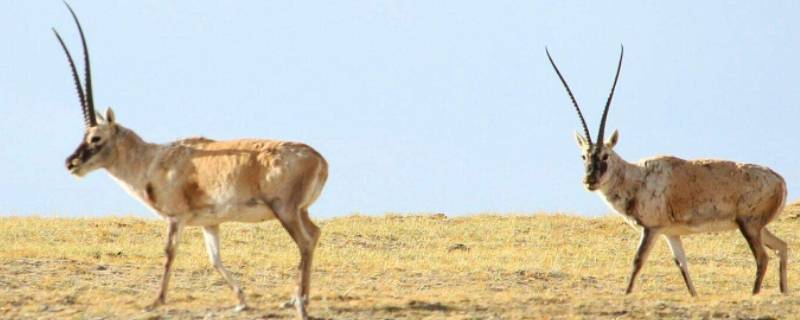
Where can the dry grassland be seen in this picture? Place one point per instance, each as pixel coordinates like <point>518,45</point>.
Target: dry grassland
<point>391,267</point>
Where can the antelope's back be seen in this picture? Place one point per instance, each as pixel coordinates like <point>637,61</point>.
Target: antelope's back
<point>717,189</point>
<point>247,170</point>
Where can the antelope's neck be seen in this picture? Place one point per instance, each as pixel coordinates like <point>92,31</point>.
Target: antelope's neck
<point>622,188</point>
<point>134,157</point>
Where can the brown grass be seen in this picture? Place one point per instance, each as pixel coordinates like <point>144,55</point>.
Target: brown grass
<point>394,267</point>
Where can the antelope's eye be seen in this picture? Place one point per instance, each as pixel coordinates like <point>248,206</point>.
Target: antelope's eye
<point>95,139</point>
<point>605,157</point>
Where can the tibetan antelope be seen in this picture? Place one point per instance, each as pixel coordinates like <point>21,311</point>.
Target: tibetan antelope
<point>202,182</point>
<point>672,197</point>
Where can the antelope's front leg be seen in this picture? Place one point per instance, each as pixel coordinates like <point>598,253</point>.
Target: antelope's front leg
<point>170,248</point>
<point>648,237</point>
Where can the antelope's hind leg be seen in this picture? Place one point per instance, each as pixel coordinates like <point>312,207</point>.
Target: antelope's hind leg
<point>305,234</point>
<point>676,245</point>
<point>211,236</point>
<point>752,232</point>
<point>313,233</point>
<point>780,247</point>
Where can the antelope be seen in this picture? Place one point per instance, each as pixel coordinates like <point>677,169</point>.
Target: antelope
<point>669,196</point>
<point>203,182</point>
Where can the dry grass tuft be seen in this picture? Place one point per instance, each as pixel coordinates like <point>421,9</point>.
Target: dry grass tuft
<point>398,267</point>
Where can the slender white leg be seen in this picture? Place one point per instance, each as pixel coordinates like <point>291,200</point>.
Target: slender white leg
<point>676,245</point>
<point>211,236</point>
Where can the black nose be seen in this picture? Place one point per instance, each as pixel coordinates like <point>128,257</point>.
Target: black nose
<point>70,163</point>
<point>589,172</point>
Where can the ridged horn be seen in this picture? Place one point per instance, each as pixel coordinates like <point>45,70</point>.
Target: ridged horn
<point>572,97</point>
<point>601,131</point>
<point>87,98</point>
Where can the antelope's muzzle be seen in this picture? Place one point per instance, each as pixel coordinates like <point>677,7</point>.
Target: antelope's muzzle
<point>594,170</point>
<point>82,154</point>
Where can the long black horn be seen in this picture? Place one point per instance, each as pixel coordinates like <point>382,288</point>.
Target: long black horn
<point>602,129</point>
<point>75,78</point>
<point>572,97</point>
<point>88,110</point>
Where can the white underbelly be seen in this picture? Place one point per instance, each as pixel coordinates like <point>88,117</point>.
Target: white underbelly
<point>713,226</point>
<point>245,213</point>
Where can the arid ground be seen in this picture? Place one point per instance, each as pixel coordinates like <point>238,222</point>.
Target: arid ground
<point>525,266</point>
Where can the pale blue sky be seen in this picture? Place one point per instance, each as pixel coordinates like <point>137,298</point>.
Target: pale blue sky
<point>419,106</point>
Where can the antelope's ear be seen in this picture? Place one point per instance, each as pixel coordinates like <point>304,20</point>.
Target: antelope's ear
<point>581,140</point>
<point>612,141</point>
<point>110,116</point>
<point>100,118</point>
